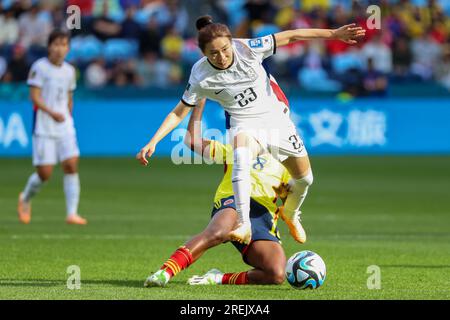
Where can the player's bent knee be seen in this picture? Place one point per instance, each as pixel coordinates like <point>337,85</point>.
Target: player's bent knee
<point>44,175</point>
<point>307,180</point>
<point>276,275</point>
<point>70,170</point>
<point>278,279</point>
<point>70,167</point>
<point>44,178</point>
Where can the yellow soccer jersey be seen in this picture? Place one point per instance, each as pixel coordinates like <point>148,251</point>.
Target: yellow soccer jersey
<point>266,173</point>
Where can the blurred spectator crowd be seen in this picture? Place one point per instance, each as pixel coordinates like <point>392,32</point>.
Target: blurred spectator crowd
<point>152,43</point>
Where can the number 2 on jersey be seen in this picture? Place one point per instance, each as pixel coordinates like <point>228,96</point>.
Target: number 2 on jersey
<point>245,97</point>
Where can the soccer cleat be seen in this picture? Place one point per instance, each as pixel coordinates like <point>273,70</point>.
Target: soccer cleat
<point>76,219</point>
<point>159,279</point>
<point>242,234</point>
<point>295,227</point>
<point>24,210</point>
<point>212,277</point>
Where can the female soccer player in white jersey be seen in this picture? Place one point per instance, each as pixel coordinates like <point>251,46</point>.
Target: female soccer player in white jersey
<point>232,74</point>
<point>52,82</point>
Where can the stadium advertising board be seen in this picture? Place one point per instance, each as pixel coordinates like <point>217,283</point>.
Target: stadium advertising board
<point>119,128</point>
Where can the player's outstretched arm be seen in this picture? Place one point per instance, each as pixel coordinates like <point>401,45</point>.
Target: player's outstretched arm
<point>194,137</point>
<point>172,120</point>
<point>349,33</point>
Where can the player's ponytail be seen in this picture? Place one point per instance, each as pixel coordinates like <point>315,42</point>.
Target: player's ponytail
<point>208,31</point>
<point>203,21</point>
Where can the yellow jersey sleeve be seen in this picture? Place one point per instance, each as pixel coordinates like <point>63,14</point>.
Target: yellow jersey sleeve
<point>219,152</point>
<point>285,177</point>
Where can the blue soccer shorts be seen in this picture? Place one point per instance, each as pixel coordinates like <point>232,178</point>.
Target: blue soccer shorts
<point>264,224</point>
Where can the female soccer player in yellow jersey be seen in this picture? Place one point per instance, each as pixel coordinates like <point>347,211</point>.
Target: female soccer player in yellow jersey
<point>264,253</point>
<point>232,74</point>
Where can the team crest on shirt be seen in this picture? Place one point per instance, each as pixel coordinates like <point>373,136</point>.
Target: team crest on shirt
<point>227,202</point>
<point>259,164</point>
<point>255,43</point>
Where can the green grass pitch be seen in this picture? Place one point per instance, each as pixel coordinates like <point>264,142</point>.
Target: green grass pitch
<point>393,212</point>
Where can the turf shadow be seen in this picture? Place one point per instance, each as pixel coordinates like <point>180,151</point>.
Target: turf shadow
<point>415,266</point>
<point>56,283</point>
<point>116,283</point>
<point>31,283</point>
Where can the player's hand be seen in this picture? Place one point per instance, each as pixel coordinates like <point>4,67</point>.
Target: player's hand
<point>282,191</point>
<point>145,152</point>
<point>349,33</point>
<point>58,117</point>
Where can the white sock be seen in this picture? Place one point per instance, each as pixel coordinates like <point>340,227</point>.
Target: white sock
<point>72,191</point>
<point>240,178</point>
<point>218,278</point>
<point>32,187</point>
<point>295,198</point>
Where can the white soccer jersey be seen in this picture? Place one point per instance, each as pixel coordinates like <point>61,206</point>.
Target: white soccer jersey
<point>249,95</point>
<point>55,82</point>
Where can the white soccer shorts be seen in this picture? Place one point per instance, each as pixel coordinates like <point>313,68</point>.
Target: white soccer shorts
<point>50,151</point>
<point>281,142</point>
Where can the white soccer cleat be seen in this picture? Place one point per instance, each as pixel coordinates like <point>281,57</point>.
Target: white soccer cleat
<point>242,234</point>
<point>295,227</point>
<point>212,277</point>
<point>159,279</point>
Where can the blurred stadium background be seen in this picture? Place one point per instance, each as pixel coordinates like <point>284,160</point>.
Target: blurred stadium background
<point>374,117</point>
<point>133,59</point>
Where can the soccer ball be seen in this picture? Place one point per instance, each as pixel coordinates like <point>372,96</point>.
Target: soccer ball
<point>305,269</point>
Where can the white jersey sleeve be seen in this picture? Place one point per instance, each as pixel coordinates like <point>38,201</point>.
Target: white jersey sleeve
<point>73,82</point>
<point>262,47</point>
<point>36,76</point>
<point>193,92</point>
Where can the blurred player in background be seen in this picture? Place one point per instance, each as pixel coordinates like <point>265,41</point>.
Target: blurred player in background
<point>52,82</point>
<point>232,74</point>
<point>269,180</point>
